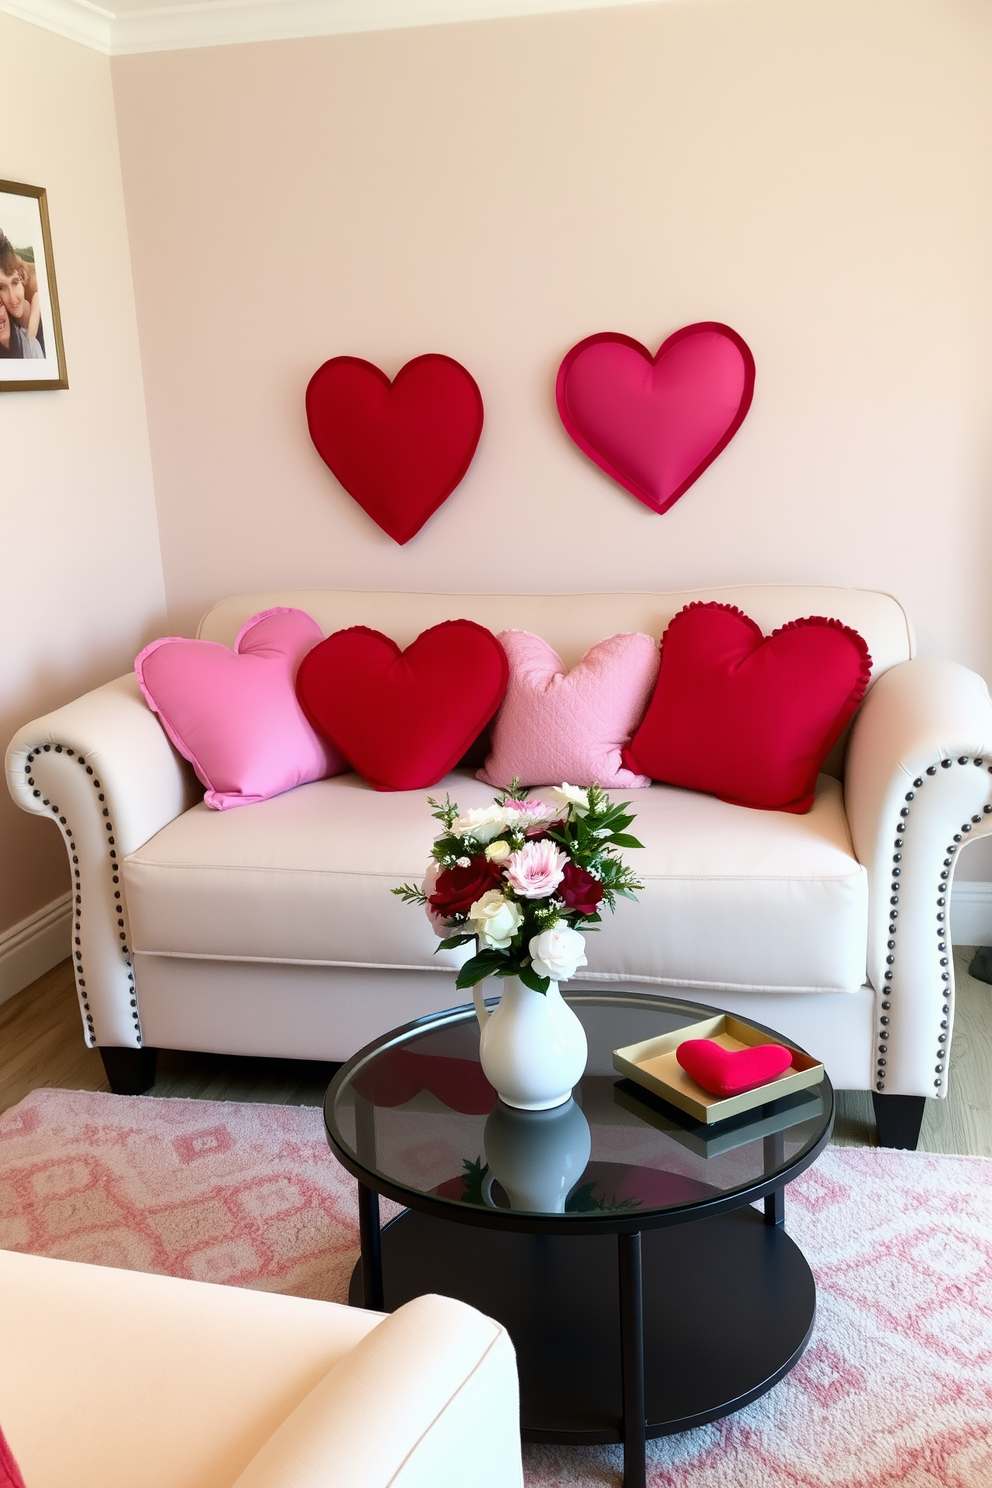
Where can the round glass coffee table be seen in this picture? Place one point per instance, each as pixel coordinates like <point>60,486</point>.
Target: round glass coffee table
<point>613,1237</point>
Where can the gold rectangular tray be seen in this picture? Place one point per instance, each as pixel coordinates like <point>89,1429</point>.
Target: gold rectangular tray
<point>652,1063</point>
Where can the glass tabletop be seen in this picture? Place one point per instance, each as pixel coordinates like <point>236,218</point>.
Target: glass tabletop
<point>414,1118</point>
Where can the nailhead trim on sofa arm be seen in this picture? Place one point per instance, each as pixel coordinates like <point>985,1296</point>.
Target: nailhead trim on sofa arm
<point>912,801</point>
<point>946,989</point>
<point>104,771</point>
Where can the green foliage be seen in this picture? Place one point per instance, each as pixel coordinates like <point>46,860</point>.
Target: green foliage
<point>530,978</point>
<point>409,894</point>
<point>581,1201</point>
<point>486,963</point>
<point>473,1178</point>
<point>445,813</point>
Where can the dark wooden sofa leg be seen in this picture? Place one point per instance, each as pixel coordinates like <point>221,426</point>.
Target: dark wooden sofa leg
<point>898,1119</point>
<point>130,1071</point>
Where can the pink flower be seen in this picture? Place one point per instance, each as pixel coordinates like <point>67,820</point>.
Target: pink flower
<point>536,870</point>
<point>533,817</point>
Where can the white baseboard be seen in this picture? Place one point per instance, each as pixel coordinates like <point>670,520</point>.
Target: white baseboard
<point>33,946</point>
<point>971,913</point>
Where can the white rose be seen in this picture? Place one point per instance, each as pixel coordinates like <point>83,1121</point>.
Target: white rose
<point>483,823</point>
<point>498,852</point>
<point>558,953</point>
<point>571,795</point>
<point>494,920</point>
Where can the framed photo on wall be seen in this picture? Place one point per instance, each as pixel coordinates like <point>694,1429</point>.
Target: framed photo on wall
<point>32,358</point>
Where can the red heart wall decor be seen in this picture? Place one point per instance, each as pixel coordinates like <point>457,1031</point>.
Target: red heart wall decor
<point>746,717</point>
<point>403,718</point>
<point>654,423</point>
<point>731,1071</point>
<point>399,448</point>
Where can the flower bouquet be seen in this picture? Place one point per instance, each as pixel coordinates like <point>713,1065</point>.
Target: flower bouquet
<point>518,878</point>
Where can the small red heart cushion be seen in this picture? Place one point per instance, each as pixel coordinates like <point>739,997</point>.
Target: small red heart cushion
<point>748,718</point>
<point>399,448</point>
<point>404,718</point>
<point>731,1071</point>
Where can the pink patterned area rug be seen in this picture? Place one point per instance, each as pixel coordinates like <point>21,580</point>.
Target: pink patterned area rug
<point>895,1388</point>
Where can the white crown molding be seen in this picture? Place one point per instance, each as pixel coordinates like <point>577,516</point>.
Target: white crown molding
<point>76,19</point>
<point>203,23</point>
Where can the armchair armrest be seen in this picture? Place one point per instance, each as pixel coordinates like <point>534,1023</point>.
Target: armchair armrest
<point>104,771</point>
<point>428,1399</point>
<point>918,787</point>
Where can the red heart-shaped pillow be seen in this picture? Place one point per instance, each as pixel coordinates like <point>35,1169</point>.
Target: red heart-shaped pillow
<point>399,448</point>
<point>747,718</point>
<point>731,1071</point>
<point>403,718</point>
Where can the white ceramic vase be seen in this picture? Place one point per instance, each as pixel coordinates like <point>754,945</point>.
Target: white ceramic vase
<point>532,1047</point>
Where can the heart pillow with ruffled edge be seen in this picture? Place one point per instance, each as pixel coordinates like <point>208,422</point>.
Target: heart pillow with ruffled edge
<point>404,718</point>
<point>556,725</point>
<point>746,717</point>
<point>234,714</point>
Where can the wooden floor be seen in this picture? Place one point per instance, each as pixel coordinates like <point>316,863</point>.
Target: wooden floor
<point>41,1045</point>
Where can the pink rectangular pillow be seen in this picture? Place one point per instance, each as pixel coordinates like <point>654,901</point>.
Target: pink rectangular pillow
<point>234,714</point>
<point>556,725</point>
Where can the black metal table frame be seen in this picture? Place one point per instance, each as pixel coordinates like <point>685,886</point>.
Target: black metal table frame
<point>634,1425</point>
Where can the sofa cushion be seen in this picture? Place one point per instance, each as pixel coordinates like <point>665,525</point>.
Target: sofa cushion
<point>733,898</point>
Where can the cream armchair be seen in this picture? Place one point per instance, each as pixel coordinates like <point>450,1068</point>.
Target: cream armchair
<point>270,929</point>
<point>113,1379</point>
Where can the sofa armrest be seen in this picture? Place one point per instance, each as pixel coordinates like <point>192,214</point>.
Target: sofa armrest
<point>104,771</point>
<point>918,787</point>
<point>428,1399</point>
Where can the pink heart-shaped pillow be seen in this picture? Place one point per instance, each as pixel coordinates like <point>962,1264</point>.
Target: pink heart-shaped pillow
<point>731,1071</point>
<point>654,423</point>
<point>234,714</point>
<point>556,725</point>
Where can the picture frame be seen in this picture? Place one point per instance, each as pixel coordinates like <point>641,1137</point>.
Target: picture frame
<point>32,356</point>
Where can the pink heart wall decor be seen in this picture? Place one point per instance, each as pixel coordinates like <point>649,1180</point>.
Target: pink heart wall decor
<point>399,448</point>
<point>654,423</point>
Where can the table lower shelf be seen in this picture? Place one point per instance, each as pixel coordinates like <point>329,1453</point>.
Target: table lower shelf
<point>729,1304</point>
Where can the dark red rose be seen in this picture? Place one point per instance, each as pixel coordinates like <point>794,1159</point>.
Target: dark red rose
<point>579,890</point>
<point>457,889</point>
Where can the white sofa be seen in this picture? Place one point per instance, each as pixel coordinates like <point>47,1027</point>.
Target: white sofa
<point>117,1379</point>
<point>270,929</point>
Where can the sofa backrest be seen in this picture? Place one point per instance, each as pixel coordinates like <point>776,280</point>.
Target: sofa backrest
<point>574,622</point>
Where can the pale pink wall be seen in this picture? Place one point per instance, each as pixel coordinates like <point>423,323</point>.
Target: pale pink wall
<point>815,174</point>
<point>80,572</point>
